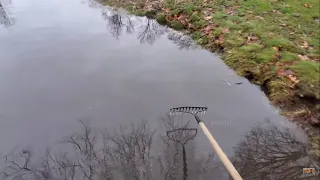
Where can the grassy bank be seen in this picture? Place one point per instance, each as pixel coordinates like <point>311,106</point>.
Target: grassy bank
<point>273,43</point>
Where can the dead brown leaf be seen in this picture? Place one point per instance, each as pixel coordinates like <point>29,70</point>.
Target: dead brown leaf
<point>291,93</point>
<point>260,17</point>
<point>289,72</point>
<point>230,9</point>
<point>303,58</point>
<point>252,39</point>
<point>275,48</point>
<point>280,72</point>
<point>166,10</point>
<point>314,120</point>
<point>226,30</point>
<point>276,11</point>
<point>220,40</point>
<point>207,18</point>
<point>293,78</point>
<point>307,5</point>
<point>305,45</point>
<point>207,29</point>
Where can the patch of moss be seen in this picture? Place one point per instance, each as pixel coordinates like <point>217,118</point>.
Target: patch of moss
<point>251,48</point>
<point>176,25</point>
<point>241,62</point>
<point>169,4</point>
<point>194,17</point>
<point>174,12</point>
<point>265,56</point>
<point>257,5</point>
<point>161,18</point>
<point>219,15</point>
<point>308,74</point>
<point>196,35</point>
<point>288,56</point>
<point>217,31</point>
<point>188,8</point>
<point>199,24</point>
<point>151,14</point>
<point>234,42</point>
<point>280,42</point>
<point>203,41</point>
<point>315,42</point>
<point>278,91</point>
<point>139,12</point>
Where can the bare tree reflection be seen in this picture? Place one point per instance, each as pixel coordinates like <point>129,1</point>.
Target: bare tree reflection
<point>123,155</point>
<point>117,23</point>
<point>130,151</point>
<point>92,3</point>
<point>182,41</point>
<point>88,157</point>
<point>269,152</point>
<point>5,20</point>
<point>150,31</point>
<point>171,160</point>
<point>20,169</point>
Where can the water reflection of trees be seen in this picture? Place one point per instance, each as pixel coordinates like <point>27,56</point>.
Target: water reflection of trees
<point>125,154</point>
<point>171,160</point>
<point>136,152</point>
<point>269,152</point>
<point>5,20</point>
<point>148,30</point>
<point>117,23</point>
<point>182,41</point>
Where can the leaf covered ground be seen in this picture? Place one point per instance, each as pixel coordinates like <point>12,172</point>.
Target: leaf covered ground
<point>273,43</point>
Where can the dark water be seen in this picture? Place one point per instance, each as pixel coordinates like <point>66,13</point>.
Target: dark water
<point>62,61</point>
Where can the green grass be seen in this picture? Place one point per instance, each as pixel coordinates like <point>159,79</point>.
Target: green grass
<point>288,56</point>
<point>251,48</point>
<point>280,42</point>
<point>309,74</point>
<point>196,36</point>
<point>161,18</point>
<point>195,17</point>
<point>265,56</point>
<point>176,25</point>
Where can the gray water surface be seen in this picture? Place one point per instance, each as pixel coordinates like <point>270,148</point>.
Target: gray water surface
<point>62,61</point>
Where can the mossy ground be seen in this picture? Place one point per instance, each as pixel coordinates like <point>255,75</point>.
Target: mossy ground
<point>274,43</point>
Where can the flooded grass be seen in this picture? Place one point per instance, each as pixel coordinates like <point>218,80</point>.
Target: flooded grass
<point>274,44</point>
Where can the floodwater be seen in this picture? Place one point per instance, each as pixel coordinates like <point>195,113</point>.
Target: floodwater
<point>62,61</point>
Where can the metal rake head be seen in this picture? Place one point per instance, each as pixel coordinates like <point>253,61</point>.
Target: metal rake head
<point>188,109</point>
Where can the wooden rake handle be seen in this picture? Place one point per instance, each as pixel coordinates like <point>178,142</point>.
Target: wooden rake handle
<point>223,157</point>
